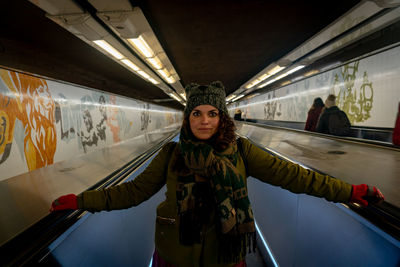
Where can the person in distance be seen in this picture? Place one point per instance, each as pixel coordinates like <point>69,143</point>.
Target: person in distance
<point>238,115</point>
<point>313,114</point>
<point>207,216</point>
<point>332,119</point>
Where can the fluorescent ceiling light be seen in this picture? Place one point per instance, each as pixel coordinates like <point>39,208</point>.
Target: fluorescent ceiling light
<point>265,76</point>
<point>230,97</point>
<point>131,25</point>
<point>153,81</point>
<point>170,79</point>
<point>289,72</point>
<point>295,69</point>
<point>164,73</point>
<point>281,76</point>
<point>255,82</point>
<point>130,64</point>
<point>167,76</point>
<point>88,29</point>
<point>143,74</point>
<point>155,62</point>
<point>276,69</point>
<point>265,84</point>
<point>183,96</point>
<point>240,96</point>
<point>141,45</point>
<point>109,49</point>
<point>174,96</point>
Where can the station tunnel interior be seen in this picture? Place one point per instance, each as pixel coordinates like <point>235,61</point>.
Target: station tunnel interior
<point>73,118</point>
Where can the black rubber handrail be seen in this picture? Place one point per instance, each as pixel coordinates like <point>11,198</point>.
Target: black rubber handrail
<point>303,123</point>
<point>30,246</point>
<point>329,136</point>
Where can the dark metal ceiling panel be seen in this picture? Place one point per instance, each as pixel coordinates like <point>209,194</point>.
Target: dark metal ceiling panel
<point>233,40</point>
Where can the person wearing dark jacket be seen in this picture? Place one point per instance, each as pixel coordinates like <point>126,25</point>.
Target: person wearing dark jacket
<point>206,218</point>
<point>313,115</point>
<point>238,115</point>
<point>333,120</point>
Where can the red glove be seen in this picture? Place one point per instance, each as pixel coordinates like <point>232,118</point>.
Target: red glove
<point>364,194</point>
<point>64,203</point>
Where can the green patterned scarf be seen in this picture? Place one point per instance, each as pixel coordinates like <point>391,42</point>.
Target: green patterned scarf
<point>211,176</point>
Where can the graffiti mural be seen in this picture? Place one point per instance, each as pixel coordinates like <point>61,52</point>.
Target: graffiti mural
<point>355,101</point>
<point>366,89</point>
<point>30,102</point>
<point>113,118</point>
<point>43,121</point>
<point>145,117</point>
<point>92,127</point>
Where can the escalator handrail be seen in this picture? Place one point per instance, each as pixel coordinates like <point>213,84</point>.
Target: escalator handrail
<point>380,144</point>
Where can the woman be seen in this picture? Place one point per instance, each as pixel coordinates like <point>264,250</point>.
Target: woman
<point>313,114</point>
<point>206,219</point>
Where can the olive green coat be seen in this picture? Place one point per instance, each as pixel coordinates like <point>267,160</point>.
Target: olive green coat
<point>261,165</point>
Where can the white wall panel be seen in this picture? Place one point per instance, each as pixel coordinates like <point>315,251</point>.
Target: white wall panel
<point>368,90</point>
<point>44,121</point>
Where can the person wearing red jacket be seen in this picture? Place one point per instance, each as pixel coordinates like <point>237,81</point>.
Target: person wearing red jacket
<point>313,114</point>
<point>396,130</point>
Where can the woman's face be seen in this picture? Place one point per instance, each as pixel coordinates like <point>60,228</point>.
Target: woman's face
<point>204,121</point>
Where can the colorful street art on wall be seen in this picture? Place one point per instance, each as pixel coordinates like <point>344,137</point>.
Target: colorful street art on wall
<point>355,101</point>
<point>366,89</point>
<point>43,121</point>
<point>29,101</point>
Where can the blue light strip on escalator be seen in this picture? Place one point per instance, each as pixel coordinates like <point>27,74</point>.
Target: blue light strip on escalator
<point>271,256</point>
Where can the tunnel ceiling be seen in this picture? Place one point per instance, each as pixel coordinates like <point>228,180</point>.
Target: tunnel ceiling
<point>224,40</point>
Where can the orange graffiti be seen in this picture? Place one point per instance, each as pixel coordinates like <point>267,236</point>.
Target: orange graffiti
<point>112,119</point>
<point>30,102</point>
<point>7,120</point>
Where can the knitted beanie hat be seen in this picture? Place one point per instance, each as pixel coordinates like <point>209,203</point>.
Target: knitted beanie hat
<point>213,94</point>
<point>330,101</point>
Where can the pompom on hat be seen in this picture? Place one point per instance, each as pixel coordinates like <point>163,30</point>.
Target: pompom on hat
<point>212,94</point>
